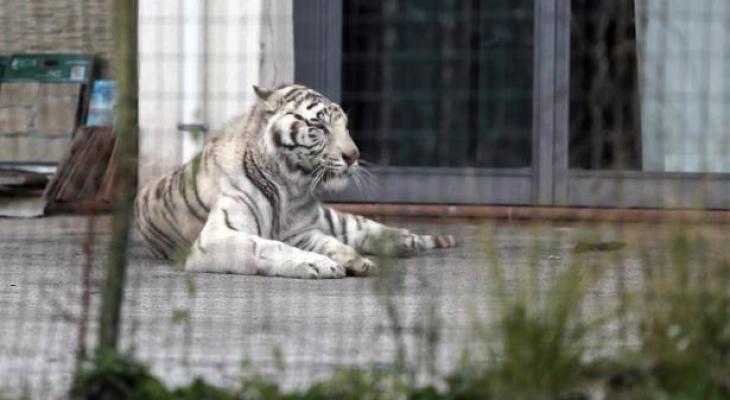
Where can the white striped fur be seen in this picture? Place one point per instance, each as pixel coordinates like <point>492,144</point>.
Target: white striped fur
<point>248,204</point>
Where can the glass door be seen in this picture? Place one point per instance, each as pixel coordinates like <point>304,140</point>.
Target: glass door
<point>440,99</point>
<point>648,105</point>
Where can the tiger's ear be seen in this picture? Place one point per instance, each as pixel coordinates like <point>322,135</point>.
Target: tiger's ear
<point>262,94</point>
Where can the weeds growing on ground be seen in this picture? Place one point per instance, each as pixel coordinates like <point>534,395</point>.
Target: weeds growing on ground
<point>537,346</point>
<point>540,347</point>
<point>685,328</point>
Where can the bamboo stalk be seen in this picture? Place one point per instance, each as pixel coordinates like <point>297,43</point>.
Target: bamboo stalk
<point>125,31</point>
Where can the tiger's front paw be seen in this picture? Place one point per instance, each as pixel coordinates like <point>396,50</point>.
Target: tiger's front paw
<point>321,268</point>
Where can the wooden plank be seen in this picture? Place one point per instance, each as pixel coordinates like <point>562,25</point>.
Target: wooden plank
<point>81,174</point>
<point>108,183</point>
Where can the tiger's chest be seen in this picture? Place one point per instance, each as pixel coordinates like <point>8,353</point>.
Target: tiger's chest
<point>298,215</point>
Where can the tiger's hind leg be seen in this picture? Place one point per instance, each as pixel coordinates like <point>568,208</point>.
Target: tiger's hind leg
<point>370,237</point>
<point>397,242</point>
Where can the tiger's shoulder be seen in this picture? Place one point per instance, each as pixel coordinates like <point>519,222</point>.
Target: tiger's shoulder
<point>172,209</point>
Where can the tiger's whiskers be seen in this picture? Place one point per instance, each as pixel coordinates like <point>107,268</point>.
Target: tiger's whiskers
<point>365,181</point>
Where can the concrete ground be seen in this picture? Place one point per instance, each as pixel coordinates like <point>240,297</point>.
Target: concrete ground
<point>184,325</point>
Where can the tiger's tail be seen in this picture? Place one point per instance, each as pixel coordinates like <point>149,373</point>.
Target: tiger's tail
<point>437,241</point>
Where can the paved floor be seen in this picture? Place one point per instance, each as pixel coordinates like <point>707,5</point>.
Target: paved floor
<point>424,308</point>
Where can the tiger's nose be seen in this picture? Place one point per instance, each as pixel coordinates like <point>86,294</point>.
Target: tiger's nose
<point>350,156</point>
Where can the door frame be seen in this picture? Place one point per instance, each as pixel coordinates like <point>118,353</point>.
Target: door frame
<point>318,61</point>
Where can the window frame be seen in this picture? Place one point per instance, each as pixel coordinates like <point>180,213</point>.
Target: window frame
<point>614,188</point>
<point>318,66</point>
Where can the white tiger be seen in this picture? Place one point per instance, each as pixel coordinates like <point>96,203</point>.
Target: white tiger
<point>248,204</point>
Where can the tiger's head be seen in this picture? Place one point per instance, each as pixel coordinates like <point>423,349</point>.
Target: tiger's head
<point>307,133</point>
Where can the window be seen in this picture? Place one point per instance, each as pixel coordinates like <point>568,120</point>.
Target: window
<point>554,102</point>
<point>439,83</point>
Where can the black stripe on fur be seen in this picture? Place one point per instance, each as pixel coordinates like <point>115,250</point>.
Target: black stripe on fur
<point>196,168</point>
<point>266,186</point>
<point>182,186</point>
<point>343,223</point>
<point>328,216</point>
<point>227,221</point>
<point>249,203</point>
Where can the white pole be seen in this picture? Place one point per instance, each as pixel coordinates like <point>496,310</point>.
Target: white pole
<point>192,114</point>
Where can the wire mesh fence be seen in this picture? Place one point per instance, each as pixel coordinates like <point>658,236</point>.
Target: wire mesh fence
<point>575,150</point>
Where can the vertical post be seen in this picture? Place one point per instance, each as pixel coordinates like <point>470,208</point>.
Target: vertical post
<point>318,45</point>
<point>551,95</point>
<point>125,59</point>
<point>561,130</point>
<point>192,108</point>
<point>543,117</point>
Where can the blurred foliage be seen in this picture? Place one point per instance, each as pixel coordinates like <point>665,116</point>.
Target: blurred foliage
<point>4,397</point>
<point>110,376</point>
<point>685,327</point>
<point>541,347</point>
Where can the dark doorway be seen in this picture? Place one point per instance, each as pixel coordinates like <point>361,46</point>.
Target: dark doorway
<point>604,97</point>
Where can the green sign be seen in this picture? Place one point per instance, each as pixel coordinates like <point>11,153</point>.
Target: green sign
<point>48,68</point>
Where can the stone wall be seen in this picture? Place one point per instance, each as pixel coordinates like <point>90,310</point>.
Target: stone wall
<point>36,120</point>
<point>58,26</point>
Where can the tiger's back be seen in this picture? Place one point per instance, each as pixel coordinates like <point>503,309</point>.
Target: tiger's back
<point>172,210</point>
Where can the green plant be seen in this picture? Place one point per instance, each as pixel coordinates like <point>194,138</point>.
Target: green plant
<point>110,376</point>
<point>3,396</point>
<point>259,388</point>
<point>537,346</point>
<point>541,346</point>
<point>357,384</point>
<point>685,327</point>
<point>201,390</point>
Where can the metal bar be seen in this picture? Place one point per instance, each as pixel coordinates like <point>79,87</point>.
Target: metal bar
<point>592,190</point>
<point>543,113</point>
<point>192,123</point>
<point>561,99</point>
<point>456,213</point>
<point>636,174</point>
